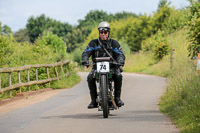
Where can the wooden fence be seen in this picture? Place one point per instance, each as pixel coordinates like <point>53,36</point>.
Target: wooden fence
<point>27,68</point>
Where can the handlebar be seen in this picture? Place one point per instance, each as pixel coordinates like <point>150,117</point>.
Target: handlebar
<point>111,62</point>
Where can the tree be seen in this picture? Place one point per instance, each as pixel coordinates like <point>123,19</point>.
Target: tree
<point>160,17</point>
<point>139,29</point>
<point>22,36</point>
<point>5,30</point>
<point>54,42</point>
<point>194,29</point>
<point>92,18</point>
<point>163,3</point>
<point>123,15</point>
<point>38,25</point>
<point>75,38</point>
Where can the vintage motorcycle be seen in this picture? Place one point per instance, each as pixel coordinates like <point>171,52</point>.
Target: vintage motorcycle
<point>104,81</point>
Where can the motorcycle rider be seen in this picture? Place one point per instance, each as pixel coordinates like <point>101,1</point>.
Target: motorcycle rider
<point>95,49</point>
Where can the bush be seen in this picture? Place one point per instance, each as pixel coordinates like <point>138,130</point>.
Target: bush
<point>55,42</point>
<point>157,44</point>
<point>177,20</point>
<point>194,25</point>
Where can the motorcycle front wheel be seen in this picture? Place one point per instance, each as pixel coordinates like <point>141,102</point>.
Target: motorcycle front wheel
<point>104,93</point>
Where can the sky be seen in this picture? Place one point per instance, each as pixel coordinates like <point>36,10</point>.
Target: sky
<point>15,13</point>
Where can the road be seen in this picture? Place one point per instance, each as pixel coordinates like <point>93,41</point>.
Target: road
<point>67,111</point>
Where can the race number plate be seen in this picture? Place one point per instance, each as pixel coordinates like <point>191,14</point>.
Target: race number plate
<point>103,67</point>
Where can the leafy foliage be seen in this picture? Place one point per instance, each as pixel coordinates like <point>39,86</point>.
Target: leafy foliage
<point>56,43</point>
<point>14,54</point>
<point>138,30</point>
<point>194,25</point>
<point>177,20</point>
<point>160,18</point>
<point>156,44</point>
<point>22,36</point>
<point>163,3</point>
<point>93,18</point>
<point>38,25</point>
<point>75,38</point>
<point>5,30</point>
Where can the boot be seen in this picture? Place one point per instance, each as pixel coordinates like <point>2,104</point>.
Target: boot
<point>93,91</point>
<point>93,103</point>
<point>117,92</point>
<point>118,101</point>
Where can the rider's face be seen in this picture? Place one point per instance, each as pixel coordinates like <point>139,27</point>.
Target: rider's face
<point>103,34</point>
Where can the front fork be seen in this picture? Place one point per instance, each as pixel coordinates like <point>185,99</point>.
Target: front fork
<point>111,100</point>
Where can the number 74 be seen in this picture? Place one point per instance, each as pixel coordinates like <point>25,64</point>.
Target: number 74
<point>103,67</point>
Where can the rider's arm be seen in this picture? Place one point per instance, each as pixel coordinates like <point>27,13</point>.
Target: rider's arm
<point>118,53</point>
<point>87,53</point>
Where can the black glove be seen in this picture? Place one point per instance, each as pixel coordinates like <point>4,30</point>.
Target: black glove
<point>121,62</point>
<point>121,69</point>
<point>85,63</point>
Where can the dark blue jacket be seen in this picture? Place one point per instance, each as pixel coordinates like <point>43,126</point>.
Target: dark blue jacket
<point>94,49</point>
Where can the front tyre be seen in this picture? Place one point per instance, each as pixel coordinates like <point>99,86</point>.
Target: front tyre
<point>104,92</point>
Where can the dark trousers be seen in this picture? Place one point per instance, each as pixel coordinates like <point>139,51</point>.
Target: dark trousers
<point>117,77</point>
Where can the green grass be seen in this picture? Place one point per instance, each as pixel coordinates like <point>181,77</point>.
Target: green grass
<point>66,82</point>
<point>138,62</point>
<point>181,101</point>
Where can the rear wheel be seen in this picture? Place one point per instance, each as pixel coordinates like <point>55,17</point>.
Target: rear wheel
<point>104,92</point>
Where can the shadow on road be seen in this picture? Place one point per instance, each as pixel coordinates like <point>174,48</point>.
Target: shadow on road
<point>134,116</point>
<point>77,116</point>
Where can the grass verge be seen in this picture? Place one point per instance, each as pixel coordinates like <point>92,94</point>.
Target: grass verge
<point>181,101</point>
<point>66,82</point>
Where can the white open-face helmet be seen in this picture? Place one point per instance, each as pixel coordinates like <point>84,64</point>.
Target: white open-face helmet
<point>104,26</point>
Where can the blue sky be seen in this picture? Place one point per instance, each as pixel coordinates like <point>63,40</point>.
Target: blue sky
<point>15,13</point>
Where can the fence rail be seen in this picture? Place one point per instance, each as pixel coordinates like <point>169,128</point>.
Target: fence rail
<point>36,81</point>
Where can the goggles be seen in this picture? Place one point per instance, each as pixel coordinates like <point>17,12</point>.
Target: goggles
<point>103,31</point>
<point>104,28</point>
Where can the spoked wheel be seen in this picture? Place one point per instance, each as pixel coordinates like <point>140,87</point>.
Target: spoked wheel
<point>104,92</point>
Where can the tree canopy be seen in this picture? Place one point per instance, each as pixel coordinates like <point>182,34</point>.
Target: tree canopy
<point>38,25</point>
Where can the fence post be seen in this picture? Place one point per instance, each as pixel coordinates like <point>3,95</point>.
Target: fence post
<point>28,78</point>
<point>36,74</point>
<point>47,69</point>
<point>19,81</point>
<point>56,71</point>
<point>48,76</point>
<point>172,59</point>
<point>10,81</point>
<point>61,66</point>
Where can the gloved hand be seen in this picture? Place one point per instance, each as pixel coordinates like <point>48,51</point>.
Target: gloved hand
<point>85,63</point>
<point>121,62</point>
<point>121,69</point>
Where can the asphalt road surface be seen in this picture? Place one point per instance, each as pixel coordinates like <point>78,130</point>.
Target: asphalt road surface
<point>67,111</point>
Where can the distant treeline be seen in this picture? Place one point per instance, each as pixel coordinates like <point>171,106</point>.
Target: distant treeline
<point>73,36</point>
